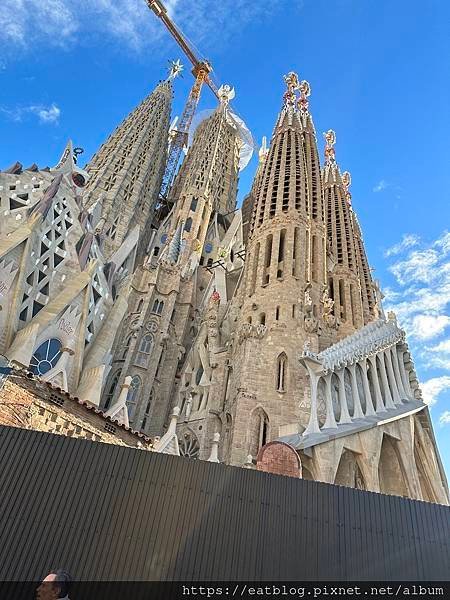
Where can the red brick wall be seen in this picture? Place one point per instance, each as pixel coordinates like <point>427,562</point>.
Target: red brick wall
<point>279,458</point>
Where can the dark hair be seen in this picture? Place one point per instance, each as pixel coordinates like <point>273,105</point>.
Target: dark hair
<point>63,581</point>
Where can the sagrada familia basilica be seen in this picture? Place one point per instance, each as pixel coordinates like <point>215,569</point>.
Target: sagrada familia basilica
<point>252,336</point>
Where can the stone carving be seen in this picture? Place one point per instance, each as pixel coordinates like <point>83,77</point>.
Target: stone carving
<point>247,330</point>
<point>328,304</point>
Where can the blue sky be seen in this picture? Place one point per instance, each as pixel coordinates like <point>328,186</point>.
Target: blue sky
<point>379,76</point>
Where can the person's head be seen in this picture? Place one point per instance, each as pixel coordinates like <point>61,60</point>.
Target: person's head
<point>55,585</point>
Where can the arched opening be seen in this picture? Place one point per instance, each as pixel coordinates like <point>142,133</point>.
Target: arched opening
<point>127,346</point>
<point>111,390</point>
<point>45,357</point>
<point>420,458</point>
<point>321,401</point>
<point>227,438</point>
<point>262,318</point>
<point>390,472</point>
<point>361,392</point>
<point>277,313</point>
<point>189,445</point>
<point>258,432</point>
<point>188,224</point>
<point>133,396</point>
<point>145,349</point>
<point>348,472</point>
<point>281,373</point>
<point>349,392</point>
<point>335,396</point>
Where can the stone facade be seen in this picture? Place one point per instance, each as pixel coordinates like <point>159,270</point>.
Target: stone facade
<point>246,337</point>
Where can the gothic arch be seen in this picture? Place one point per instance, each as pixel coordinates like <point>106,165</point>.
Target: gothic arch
<point>227,438</point>
<point>258,432</point>
<point>359,383</point>
<point>188,444</point>
<point>112,388</point>
<point>349,391</point>
<point>390,469</point>
<point>349,472</point>
<point>422,466</point>
<point>281,374</point>
<point>335,396</point>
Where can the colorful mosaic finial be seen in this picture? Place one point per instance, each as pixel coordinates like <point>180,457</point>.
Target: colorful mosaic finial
<point>330,139</point>
<point>297,92</point>
<point>215,296</point>
<point>305,91</point>
<point>347,181</point>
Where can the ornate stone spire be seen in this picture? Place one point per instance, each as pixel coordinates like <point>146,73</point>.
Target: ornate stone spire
<point>349,282</point>
<point>174,248</point>
<point>126,173</point>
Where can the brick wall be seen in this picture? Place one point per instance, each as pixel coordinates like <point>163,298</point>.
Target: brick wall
<point>33,404</point>
<point>279,458</point>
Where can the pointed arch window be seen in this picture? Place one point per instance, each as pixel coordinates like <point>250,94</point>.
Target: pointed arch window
<point>145,349</point>
<point>127,346</point>
<point>199,375</point>
<point>112,390</point>
<point>158,306</point>
<point>45,357</point>
<point>281,372</point>
<point>188,224</point>
<point>133,395</point>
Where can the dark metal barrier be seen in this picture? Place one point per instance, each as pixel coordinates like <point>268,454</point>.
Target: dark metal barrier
<point>107,512</point>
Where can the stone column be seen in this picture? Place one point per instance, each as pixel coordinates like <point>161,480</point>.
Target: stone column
<point>357,410</point>
<point>313,425</point>
<point>369,403</point>
<point>345,416</point>
<point>330,421</point>
<point>391,376</point>
<point>214,455</point>
<point>404,374</point>
<point>384,380</point>
<point>398,377</point>
<point>379,406</point>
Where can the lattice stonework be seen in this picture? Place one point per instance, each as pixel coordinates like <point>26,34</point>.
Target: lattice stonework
<point>97,294</point>
<point>47,258</point>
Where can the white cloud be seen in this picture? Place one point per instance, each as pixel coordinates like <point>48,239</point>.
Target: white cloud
<point>426,327</point>
<point>380,186</point>
<point>409,240</point>
<point>46,114</point>
<point>417,267</point>
<point>421,296</point>
<point>433,387</point>
<point>25,23</point>
<point>444,419</point>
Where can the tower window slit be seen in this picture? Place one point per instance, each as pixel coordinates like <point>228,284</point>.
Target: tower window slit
<point>267,260</point>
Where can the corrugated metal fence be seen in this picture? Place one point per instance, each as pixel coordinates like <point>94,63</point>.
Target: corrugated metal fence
<point>114,513</point>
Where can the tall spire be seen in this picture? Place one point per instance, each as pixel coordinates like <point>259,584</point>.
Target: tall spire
<point>126,173</point>
<point>348,285</point>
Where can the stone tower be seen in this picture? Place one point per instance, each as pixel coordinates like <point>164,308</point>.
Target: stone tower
<point>125,175</point>
<point>347,285</point>
<point>167,289</point>
<point>284,281</point>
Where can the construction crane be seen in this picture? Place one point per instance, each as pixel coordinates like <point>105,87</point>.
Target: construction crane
<point>201,70</point>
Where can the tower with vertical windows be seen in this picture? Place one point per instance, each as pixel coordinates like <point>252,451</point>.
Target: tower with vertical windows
<point>250,337</point>
<point>125,174</point>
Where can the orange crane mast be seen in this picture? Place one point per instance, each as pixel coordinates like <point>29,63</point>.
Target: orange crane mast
<point>201,70</point>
